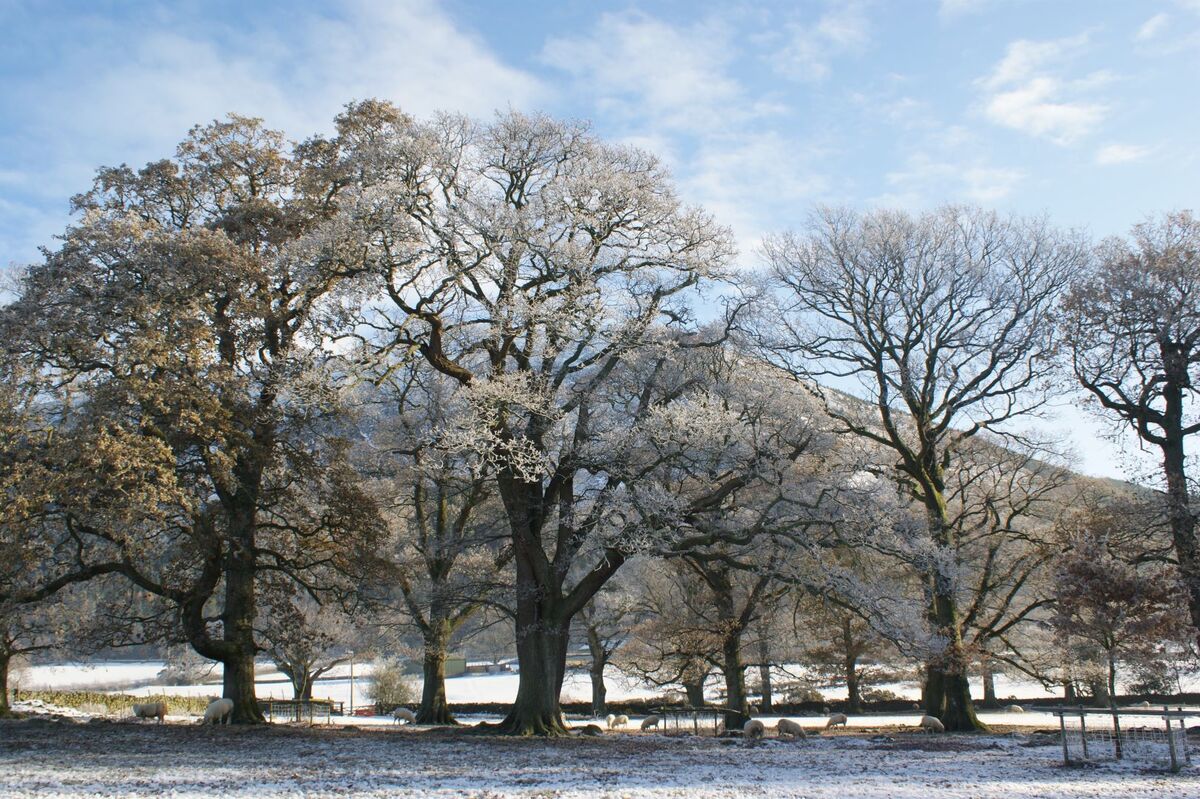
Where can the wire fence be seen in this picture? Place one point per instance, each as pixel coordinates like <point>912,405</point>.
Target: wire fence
<point>1156,738</point>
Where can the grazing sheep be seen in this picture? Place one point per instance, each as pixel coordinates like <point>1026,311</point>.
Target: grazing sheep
<point>1143,703</point>
<point>150,710</point>
<point>931,724</point>
<point>836,720</point>
<point>790,728</point>
<point>754,730</point>
<point>403,714</point>
<point>219,710</point>
<point>652,720</point>
<point>616,721</point>
<point>1014,709</point>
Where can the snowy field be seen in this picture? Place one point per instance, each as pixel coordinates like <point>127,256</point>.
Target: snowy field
<point>41,758</point>
<point>139,677</point>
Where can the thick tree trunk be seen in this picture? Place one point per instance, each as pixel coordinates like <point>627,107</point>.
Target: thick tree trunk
<point>239,686</point>
<point>853,690</point>
<point>435,709</point>
<point>694,690</point>
<point>764,674</point>
<point>599,692</point>
<point>948,692</point>
<point>240,609</point>
<point>736,712</point>
<point>1069,692</point>
<point>1183,522</point>
<point>302,682</point>
<point>5,663</point>
<point>541,654</point>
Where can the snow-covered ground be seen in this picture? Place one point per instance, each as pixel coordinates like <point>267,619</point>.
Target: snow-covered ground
<point>68,759</point>
<point>139,678</point>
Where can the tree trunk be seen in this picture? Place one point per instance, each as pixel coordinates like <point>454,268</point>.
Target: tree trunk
<point>764,674</point>
<point>239,686</point>
<point>238,620</point>
<point>694,690</point>
<point>1100,692</point>
<point>599,692</point>
<point>302,682</point>
<point>948,694</point>
<point>5,662</point>
<point>541,656</point>
<point>853,690</point>
<point>435,709</point>
<point>850,663</point>
<point>989,682</point>
<point>736,713</point>
<point>599,661</point>
<point>1069,692</point>
<point>1183,522</point>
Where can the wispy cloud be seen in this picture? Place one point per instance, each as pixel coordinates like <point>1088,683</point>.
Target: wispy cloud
<point>126,90</point>
<point>1026,91</point>
<point>923,177</point>
<point>810,47</point>
<point>667,75</point>
<point>1152,27</point>
<point>1120,154</point>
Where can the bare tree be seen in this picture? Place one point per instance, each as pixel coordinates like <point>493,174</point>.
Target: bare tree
<point>527,261</point>
<point>606,622</point>
<point>448,528</point>
<point>1133,330</point>
<point>945,321</point>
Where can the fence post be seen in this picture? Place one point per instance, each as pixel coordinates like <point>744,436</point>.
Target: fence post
<point>1083,731</point>
<point>1187,755</point>
<point>1062,725</point>
<point>1170,739</point>
<point>1116,729</point>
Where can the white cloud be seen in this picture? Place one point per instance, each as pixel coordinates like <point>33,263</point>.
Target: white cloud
<point>810,48</point>
<point>752,180</point>
<point>924,176</point>
<point>129,92</point>
<point>639,66</point>
<point>953,8</point>
<point>1026,91</point>
<point>1120,154</point>
<point>1152,27</point>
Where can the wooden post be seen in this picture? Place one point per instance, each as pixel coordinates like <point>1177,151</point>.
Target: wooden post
<point>1116,729</point>
<point>1187,755</point>
<point>1083,731</point>
<point>1170,739</point>
<point>1062,725</point>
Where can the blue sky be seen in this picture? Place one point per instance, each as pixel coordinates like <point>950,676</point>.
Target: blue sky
<point>1085,111</point>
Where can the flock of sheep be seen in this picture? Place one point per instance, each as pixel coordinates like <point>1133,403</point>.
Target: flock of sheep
<point>218,711</point>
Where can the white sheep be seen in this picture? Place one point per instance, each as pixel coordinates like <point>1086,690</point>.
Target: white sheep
<point>1143,703</point>
<point>219,710</point>
<point>150,710</point>
<point>754,730</point>
<point>1014,709</point>
<point>403,714</point>
<point>653,720</point>
<point>931,724</point>
<point>789,727</point>
<point>614,722</point>
<point>836,720</point>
